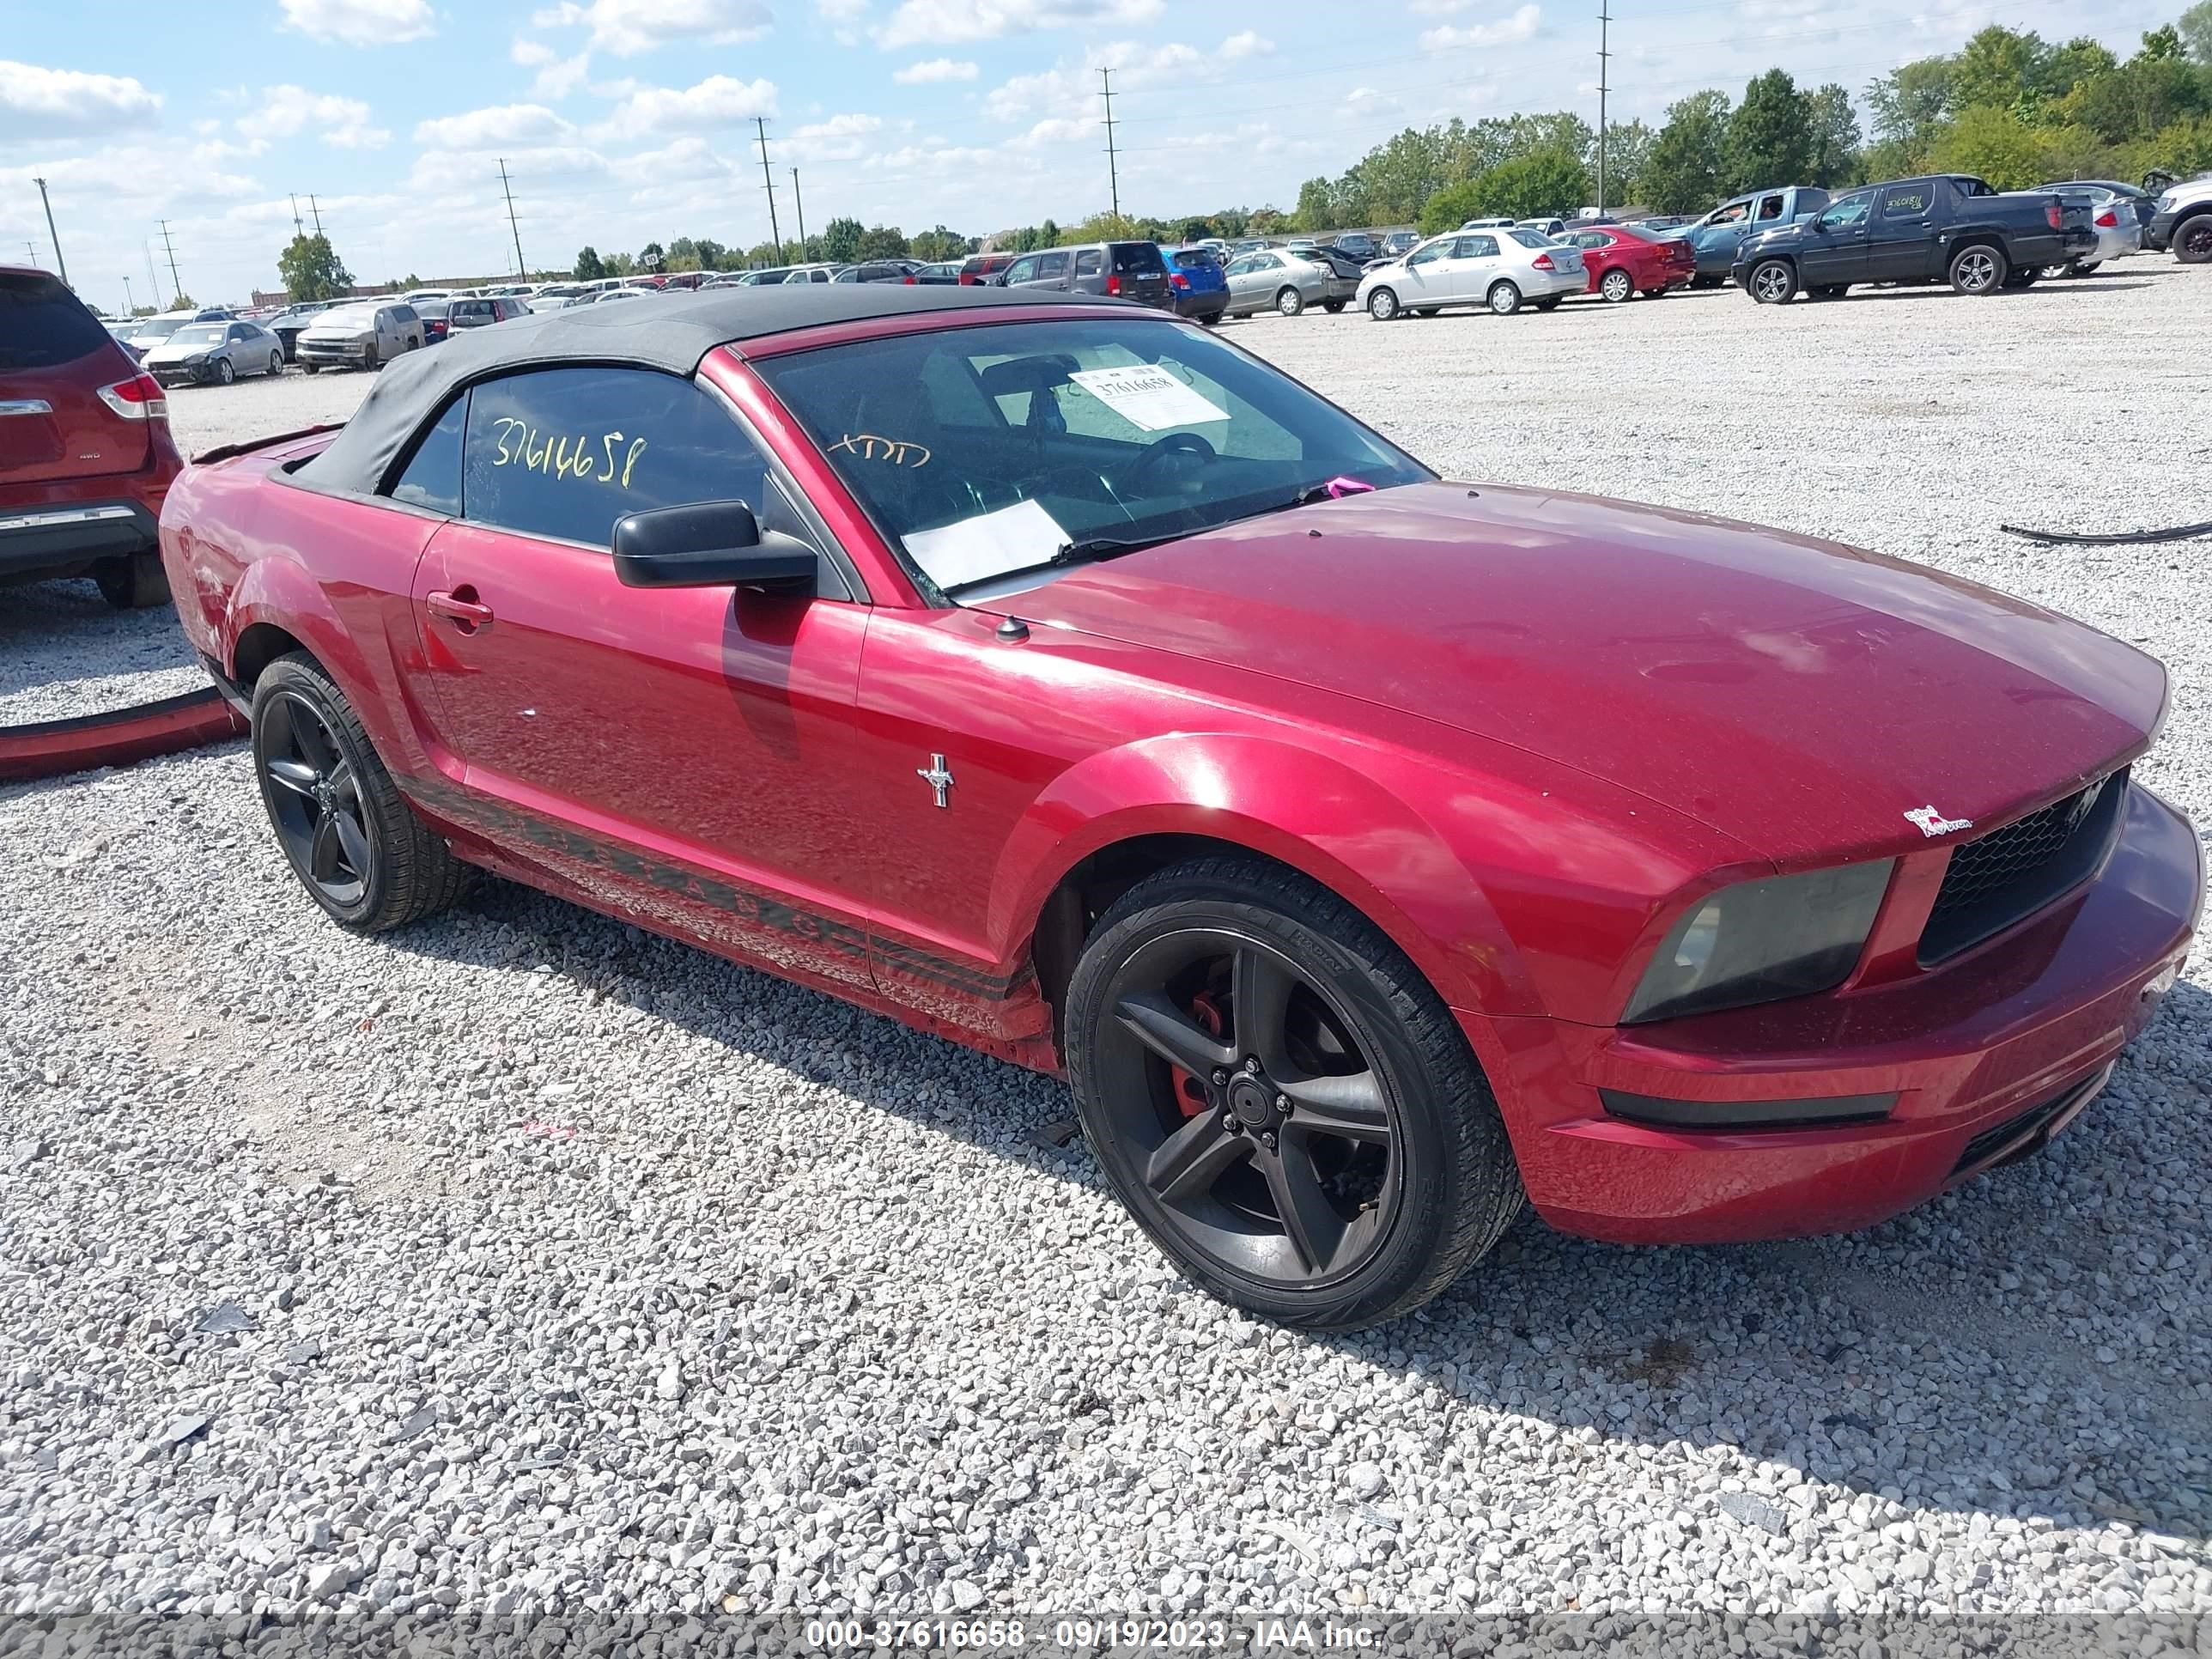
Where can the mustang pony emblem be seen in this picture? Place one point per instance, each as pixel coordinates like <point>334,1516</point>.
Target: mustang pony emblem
<point>1932,824</point>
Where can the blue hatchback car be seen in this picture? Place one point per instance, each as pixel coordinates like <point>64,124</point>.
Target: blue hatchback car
<point>1201,290</point>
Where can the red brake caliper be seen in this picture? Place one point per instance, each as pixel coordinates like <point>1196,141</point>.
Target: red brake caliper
<point>1190,1093</point>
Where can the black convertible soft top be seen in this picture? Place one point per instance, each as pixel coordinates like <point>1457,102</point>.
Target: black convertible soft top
<point>670,332</point>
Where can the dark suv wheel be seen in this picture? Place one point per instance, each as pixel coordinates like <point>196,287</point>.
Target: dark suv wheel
<point>351,838</point>
<point>1282,1102</point>
<point>134,581</point>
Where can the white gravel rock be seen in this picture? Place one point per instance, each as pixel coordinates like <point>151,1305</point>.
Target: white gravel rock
<point>920,1358</point>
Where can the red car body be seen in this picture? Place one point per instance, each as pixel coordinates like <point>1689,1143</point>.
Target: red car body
<point>86,458</point>
<point>1556,726</point>
<point>1653,265</point>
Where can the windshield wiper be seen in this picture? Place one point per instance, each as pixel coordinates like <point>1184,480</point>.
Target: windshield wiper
<point>1076,552</point>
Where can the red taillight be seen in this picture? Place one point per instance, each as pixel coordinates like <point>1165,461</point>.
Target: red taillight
<point>2050,212</point>
<point>1542,261</point>
<point>1113,282</point>
<point>2107,221</point>
<point>139,399</point>
<point>908,281</point>
<point>1178,279</point>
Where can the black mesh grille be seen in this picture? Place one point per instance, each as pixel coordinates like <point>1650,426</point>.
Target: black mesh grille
<point>1994,881</point>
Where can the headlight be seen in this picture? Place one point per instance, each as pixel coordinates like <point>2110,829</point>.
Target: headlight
<point>1785,936</point>
<point>195,360</point>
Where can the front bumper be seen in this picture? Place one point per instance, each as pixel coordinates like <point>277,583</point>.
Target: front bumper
<point>333,354</point>
<point>1984,1056</point>
<point>2157,235</point>
<point>172,373</point>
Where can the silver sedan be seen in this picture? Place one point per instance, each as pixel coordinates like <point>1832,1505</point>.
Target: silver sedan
<point>200,353</point>
<point>2113,216</point>
<point>1271,280</point>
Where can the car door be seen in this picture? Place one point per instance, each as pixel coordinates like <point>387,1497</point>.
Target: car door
<point>673,754</point>
<point>1475,265</point>
<point>1253,280</point>
<point>1901,240</point>
<point>1833,246</point>
<point>1091,270</point>
<point>1429,275</point>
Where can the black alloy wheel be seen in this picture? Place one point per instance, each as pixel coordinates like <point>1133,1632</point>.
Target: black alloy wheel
<point>349,836</point>
<point>1279,1099</point>
<point>2192,243</point>
<point>314,801</point>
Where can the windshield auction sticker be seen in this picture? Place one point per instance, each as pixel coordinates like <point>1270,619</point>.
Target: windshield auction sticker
<point>989,545</point>
<point>1147,396</point>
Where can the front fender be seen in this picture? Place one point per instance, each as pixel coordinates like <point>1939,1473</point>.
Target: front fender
<point>1314,812</point>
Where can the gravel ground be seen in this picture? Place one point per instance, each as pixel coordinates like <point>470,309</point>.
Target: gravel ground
<point>64,652</point>
<point>524,1261</point>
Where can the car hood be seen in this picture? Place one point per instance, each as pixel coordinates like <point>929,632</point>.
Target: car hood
<point>324,331</point>
<point>167,353</point>
<point>1800,696</point>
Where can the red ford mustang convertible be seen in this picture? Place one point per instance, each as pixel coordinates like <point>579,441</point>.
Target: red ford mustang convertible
<point>1368,850</point>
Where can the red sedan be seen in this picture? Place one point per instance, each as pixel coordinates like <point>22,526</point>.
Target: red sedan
<point>1366,849</point>
<point>1623,261</point>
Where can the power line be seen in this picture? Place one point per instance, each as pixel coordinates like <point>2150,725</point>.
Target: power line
<point>768,184</point>
<point>800,203</point>
<point>1113,161</point>
<point>176,282</point>
<point>520,268</point>
<point>51,236</point>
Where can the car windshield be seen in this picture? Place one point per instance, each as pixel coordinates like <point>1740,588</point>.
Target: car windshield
<point>159,328</point>
<point>1531,238</point>
<point>982,451</point>
<point>198,334</point>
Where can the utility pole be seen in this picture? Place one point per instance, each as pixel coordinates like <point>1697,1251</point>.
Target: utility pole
<point>318,212</point>
<point>176,282</point>
<point>768,184</point>
<point>50,237</point>
<point>1113,170</point>
<point>298,230</point>
<point>520,269</point>
<point>31,248</point>
<point>1604,26</point>
<point>800,202</point>
<point>130,304</point>
<point>153,283</point>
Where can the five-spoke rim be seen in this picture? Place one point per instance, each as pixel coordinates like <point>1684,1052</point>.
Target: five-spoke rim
<point>1977,270</point>
<point>1247,1109</point>
<point>1774,280</point>
<point>314,797</point>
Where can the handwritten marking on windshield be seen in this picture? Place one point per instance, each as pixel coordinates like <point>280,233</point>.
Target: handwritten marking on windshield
<point>870,448</point>
<point>564,457</point>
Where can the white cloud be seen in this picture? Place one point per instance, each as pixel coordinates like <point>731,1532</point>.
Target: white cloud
<point>953,23</point>
<point>361,22</point>
<point>840,138</point>
<point>288,111</point>
<point>1055,130</point>
<point>557,76</point>
<point>1249,44</point>
<point>1135,67</point>
<point>932,70</point>
<point>718,100</point>
<point>841,11</point>
<point>487,129</point>
<point>1505,32</point>
<point>48,103</point>
<point>627,27</point>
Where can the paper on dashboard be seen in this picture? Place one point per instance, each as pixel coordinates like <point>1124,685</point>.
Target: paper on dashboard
<point>988,545</point>
<point>1147,396</point>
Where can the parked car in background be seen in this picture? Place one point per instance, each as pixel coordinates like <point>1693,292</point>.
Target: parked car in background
<point>875,272</point>
<point>1553,228</point>
<point>361,336</point>
<point>86,456</point>
<point>1342,271</point>
<point>1489,224</point>
<point>1274,279</point>
<point>1716,237</point>
<point>1943,227</point>
<point>292,321</point>
<point>437,323</point>
<point>2118,220</point>
<point>812,273</point>
<point>936,271</point>
<point>149,331</point>
<point>2181,219</point>
<point>1501,270</point>
<point>1623,261</point>
<point>1358,244</point>
<point>1201,292</point>
<point>201,354</point>
<point>1664,220</point>
<point>410,297</point>
<point>1125,270</point>
<point>120,329</point>
<point>482,313</point>
<point>978,268</point>
<point>1399,243</point>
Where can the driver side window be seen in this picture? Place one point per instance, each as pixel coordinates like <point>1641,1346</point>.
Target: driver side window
<point>1851,210</point>
<point>1432,252</point>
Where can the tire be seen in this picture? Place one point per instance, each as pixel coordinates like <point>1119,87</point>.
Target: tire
<point>275,365</point>
<point>1656,292</point>
<point>1428,1177</point>
<point>1383,305</point>
<point>1290,302</point>
<point>1426,311</point>
<point>370,359</point>
<point>1617,286</point>
<point>1830,290</point>
<point>325,791</point>
<point>1332,307</point>
<point>1772,283</point>
<point>2192,239</point>
<point>1503,298</point>
<point>1551,304</point>
<point>311,368</point>
<point>1976,269</point>
<point>2082,268</point>
<point>134,582</point>
<point>225,372</point>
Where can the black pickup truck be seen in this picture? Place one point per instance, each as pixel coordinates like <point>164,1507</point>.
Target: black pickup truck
<point>1949,227</point>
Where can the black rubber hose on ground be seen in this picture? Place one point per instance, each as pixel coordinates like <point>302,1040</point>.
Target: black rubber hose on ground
<point>2124,539</point>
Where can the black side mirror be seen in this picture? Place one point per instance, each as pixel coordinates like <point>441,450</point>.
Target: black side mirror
<point>710,544</point>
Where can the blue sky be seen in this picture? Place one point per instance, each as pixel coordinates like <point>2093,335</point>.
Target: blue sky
<point>623,121</point>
